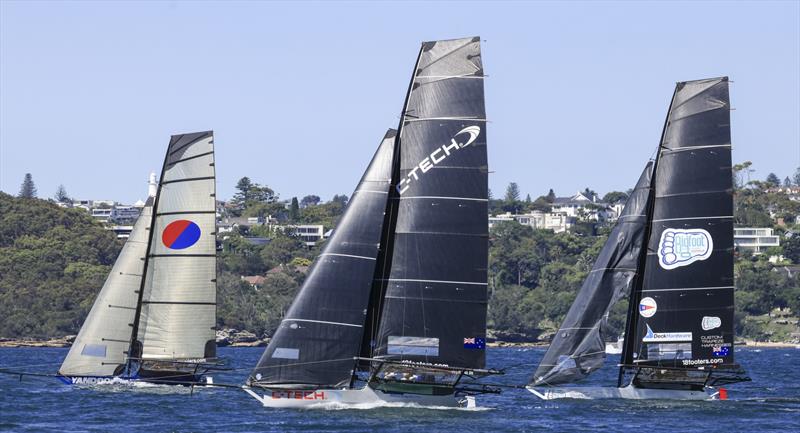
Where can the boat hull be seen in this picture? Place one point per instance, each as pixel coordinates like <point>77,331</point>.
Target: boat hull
<point>629,392</point>
<point>364,397</point>
<point>94,380</point>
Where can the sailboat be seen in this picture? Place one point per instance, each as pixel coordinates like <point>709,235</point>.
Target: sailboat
<point>154,318</point>
<point>671,255</point>
<point>394,308</point>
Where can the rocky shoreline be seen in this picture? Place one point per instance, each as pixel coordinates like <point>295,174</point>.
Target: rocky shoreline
<point>237,338</point>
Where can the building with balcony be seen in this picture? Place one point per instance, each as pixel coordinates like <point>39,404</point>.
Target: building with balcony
<point>755,240</point>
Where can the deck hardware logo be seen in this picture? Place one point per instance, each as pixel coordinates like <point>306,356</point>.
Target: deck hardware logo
<point>648,307</point>
<point>665,337</point>
<point>710,322</point>
<point>679,247</point>
<point>470,133</point>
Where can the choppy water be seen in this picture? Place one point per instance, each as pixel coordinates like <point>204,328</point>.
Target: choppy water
<point>770,403</point>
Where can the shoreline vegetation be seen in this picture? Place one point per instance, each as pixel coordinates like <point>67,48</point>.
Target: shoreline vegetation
<point>54,259</point>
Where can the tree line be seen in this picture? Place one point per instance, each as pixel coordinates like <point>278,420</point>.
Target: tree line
<point>53,262</point>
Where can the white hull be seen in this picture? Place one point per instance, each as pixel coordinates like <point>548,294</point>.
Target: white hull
<point>629,392</point>
<point>356,398</point>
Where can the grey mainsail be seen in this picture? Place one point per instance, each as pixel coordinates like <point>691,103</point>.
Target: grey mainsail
<point>578,348</point>
<point>100,349</point>
<point>434,289</point>
<point>178,301</point>
<point>321,334</point>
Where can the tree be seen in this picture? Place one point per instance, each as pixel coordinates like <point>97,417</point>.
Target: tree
<point>738,169</point>
<point>341,199</point>
<point>615,197</point>
<point>61,195</point>
<point>528,199</point>
<point>773,180</point>
<point>28,188</point>
<point>787,182</point>
<point>243,186</point>
<point>252,195</point>
<point>551,196</point>
<point>589,193</point>
<point>797,177</point>
<point>294,210</point>
<point>791,248</point>
<point>309,200</point>
<point>512,193</point>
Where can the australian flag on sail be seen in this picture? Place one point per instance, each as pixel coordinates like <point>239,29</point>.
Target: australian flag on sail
<point>475,343</point>
<point>721,351</point>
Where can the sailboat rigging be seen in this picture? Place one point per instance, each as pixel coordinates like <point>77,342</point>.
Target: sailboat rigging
<point>154,318</point>
<point>394,310</point>
<point>671,253</point>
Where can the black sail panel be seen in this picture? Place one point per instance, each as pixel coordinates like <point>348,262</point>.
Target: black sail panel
<point>434,308</point>
<point>322,330</point>
<point>684,311</point>
<point>578,348</point>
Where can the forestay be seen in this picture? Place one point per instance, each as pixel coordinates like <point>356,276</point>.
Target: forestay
<point>100,349</point>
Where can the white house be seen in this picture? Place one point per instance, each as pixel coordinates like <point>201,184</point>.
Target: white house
<point>755,240</point>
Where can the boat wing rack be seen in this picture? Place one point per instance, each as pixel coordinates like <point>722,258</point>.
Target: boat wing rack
<point>476,372</point>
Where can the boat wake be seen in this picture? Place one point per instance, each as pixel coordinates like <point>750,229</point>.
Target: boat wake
<point>386,404</point>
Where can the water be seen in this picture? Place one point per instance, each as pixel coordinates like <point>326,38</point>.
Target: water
<point>770,403</point>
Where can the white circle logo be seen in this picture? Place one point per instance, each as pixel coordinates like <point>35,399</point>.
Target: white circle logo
<point>648,307</point>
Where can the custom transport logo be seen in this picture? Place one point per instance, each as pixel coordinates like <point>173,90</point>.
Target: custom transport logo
<point>679,247</point>
<point>665,337</point>
<point>180,234</point>
<point>468,135</point>
<point>710,322</point>
<point>648,307</point>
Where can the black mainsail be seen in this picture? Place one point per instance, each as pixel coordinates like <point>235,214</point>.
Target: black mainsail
<point>434,279</point>
<point>680,316</point>
<point>320,337</point>
<point>578,348</point>
<point>682,312</point>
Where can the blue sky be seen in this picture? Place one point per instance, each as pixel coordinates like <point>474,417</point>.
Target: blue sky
<point>299,94</point>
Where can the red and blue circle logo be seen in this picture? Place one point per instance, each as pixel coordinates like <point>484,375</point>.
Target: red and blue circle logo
<point>180,234</point>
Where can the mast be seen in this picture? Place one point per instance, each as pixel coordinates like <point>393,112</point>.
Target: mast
<point>635,293</point>
<point>134,350</point>
<point>375,308</point>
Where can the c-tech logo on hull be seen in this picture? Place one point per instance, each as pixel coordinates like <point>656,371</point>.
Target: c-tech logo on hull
<point>679,247</point>
<point>471,134</point>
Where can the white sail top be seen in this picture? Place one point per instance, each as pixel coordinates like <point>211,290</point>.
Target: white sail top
<point>101,346</point>
<point>178,311</point>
